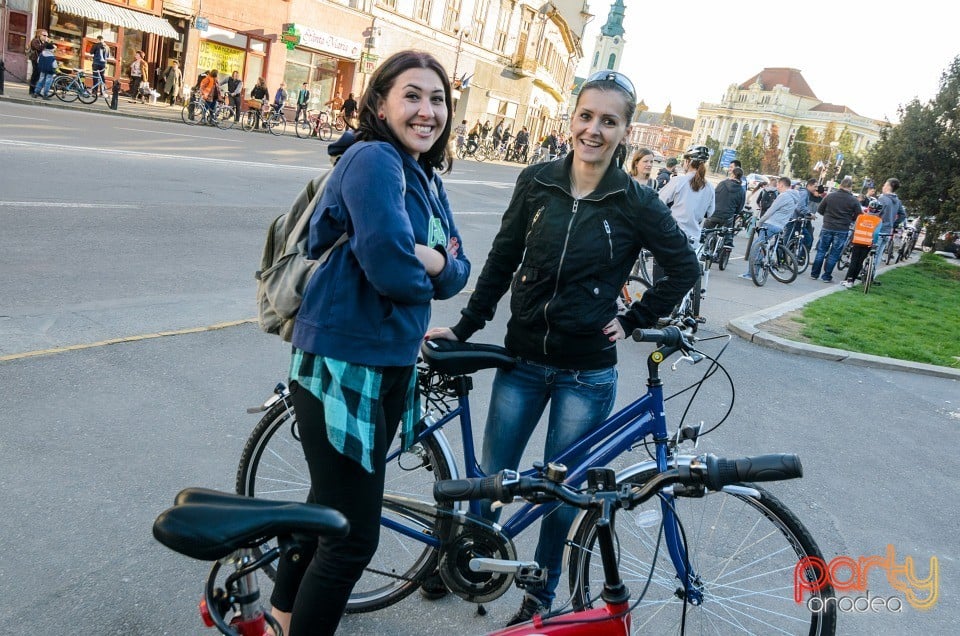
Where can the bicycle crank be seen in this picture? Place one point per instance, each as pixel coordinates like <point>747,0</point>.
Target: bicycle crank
<point>474,543</point>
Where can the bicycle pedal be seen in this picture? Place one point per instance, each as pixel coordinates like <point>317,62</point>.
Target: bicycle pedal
<point>531,578</point>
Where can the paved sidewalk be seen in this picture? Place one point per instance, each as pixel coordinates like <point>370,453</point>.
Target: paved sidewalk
<point>750,327</point>
<point>19,92</point>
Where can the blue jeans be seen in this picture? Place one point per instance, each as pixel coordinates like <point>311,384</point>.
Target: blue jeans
<point>768,232</point>
<point>882,245</point>
<point>788,230</point>
<point>579,401</point>
<point>43,84</point>
<point>830,247</point>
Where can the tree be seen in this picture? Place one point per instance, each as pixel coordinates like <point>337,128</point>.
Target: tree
<point>923,152</point>
<point>801,164</point>
<point>714,147</point>
<point>770,164</point>
<point>750,152</point>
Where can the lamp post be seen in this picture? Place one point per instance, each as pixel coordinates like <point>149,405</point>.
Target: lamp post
<point>461,33</point>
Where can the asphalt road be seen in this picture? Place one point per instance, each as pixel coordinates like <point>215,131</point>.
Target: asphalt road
<point>116,228</point>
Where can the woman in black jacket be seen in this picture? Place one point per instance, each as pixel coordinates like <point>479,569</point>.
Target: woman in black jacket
<point>568,239</point>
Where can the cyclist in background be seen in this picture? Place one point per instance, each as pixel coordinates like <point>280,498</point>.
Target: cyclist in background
<point>891,209</point>
<point>773,220</point>
<point>565,278</point>
<point>865,234</point>
<point>99,54</point>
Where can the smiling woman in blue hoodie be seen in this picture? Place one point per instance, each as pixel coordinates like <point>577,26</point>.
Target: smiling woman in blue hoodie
<point>363,316</point>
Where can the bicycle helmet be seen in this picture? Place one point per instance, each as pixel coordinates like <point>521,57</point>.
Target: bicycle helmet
<point>697,153</point>
<point>874,206</point>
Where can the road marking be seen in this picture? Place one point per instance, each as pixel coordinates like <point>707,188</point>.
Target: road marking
<point>22,117</point>
<point>494,213</point>
<point>66,204</point>
<point>112,341</point>
<point>157,132</point>
<point>155,155</point>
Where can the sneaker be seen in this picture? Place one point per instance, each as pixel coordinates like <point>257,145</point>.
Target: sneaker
<point>746,276</point>
<point>812,277</point>
<point>432,587</point>
<point>528,609</point>
<point>846,284</point>
<point>827,280</point>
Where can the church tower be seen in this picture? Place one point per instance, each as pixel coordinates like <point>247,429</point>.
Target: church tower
<point>609,47</point>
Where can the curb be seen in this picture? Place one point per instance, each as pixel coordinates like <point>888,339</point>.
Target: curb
<point>746,328</point>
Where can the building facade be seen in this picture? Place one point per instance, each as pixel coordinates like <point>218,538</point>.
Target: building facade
<point>608,49</point>
<point>778,97</point>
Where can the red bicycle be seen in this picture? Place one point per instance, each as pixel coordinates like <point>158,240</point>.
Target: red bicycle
<point>226,528</point>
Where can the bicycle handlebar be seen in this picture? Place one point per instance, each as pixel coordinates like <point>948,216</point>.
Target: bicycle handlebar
<point>709,471</point>
<point>670,336</point>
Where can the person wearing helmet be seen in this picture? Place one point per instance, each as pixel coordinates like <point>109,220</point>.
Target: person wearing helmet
<point>690,196</point>
<point>865,234</point>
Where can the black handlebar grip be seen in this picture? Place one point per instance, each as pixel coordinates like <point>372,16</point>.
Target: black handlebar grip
<point>473,488</point>
<point>670,336</point>
<point>722,472</point>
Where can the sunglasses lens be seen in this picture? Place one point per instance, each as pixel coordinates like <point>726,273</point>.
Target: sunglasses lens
<point>618,78</point>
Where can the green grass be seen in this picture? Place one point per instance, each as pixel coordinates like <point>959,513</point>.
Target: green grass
<point>914,315</point>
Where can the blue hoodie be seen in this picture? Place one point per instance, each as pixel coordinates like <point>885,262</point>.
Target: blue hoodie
<point>370,302</point>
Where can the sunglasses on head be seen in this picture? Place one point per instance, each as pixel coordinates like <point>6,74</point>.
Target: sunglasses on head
<point>619,79</point>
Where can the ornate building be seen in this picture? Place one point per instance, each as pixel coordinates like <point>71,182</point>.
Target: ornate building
<point>778,97</point>
<point>608,50</point>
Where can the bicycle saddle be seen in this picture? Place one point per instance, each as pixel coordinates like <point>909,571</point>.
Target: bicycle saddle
<point>463,358</point>
<point>209,525</point>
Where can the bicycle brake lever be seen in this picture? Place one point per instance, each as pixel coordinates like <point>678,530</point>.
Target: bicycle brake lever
<point>692,357</point>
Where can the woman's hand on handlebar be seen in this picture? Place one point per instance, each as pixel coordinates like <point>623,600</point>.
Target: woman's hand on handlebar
<point>441,333</point>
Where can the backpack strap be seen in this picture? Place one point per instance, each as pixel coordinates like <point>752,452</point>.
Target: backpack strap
<point>313,191</point>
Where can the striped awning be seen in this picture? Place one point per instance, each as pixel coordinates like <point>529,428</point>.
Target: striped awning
<point>117,15</point>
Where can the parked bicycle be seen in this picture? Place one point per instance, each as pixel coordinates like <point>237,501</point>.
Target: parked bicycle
<point>907,243</point>
<point>208,525</point>
<point>71,87</point>
<point>267,118</point>
<point>197,111</point>
<point>472,149</point>
<point>870,264</point>
<point>693,581</point>
<point>316,124</point>
<point>772,257</point>
<point>797,241</point>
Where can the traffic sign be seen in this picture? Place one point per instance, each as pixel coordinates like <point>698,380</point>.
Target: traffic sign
<point>728,155</point>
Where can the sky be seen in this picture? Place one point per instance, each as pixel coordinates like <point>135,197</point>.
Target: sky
<point>870,56</point>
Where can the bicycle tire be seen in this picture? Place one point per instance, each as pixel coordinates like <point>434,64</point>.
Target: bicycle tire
<point>84,94</point>
<point>783,267</point>
<point>276,125</point>
<point>724,258</point>
<point>326,132</point>
<point>888,251</point>
<point>740,546</point>
<point>303,129</point>
<point>248,120</point>
<point>641,268</point>
<point>272,466</point>
<point>61,87</point>
<point>191,116</point>
<point>869,269</point>
<point>758,267</point>
<point>801,254</point>
<point>844,261</point>
<point>223,117</point>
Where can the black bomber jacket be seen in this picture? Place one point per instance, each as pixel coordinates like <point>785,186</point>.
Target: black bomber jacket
<point>565,260</point>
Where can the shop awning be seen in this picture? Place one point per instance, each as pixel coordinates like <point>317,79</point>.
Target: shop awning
<point>117,15</point>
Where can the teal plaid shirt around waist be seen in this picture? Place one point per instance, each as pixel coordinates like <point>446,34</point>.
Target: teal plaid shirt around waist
<point>350,394</point>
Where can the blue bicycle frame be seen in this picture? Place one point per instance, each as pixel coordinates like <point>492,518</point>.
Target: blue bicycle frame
<point>617,434</point>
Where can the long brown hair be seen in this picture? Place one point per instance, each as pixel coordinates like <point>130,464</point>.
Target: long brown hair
<point>700,179</point>
<point>372,128</point>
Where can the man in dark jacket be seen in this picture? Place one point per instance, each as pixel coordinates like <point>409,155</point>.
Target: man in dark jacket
<point>665,174</point>
<point>839,209</point>
<point>36,45</point>
<point>728,200</point>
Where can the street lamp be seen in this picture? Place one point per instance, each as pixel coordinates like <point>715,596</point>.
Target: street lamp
<point>461,32</point>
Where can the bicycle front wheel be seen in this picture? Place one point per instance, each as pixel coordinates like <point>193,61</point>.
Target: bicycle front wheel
<point>869,270</point>
<point>248,120</point>
<point>783,267</point>
<point>272,466</point>
<point>223,117</point>
<point>844,261</point>
<point>303,128</point>
<point>743,547</point>
<point>799,250</point>
<point>86,95</point>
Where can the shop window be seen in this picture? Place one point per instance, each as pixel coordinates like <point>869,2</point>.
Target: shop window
<point>480,10</point>
<point>17,32</point>
<point>66,34</point>
<point>132,42</point>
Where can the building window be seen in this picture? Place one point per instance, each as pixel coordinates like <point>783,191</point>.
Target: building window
<point>480,10</point>
<point>451,15</point>
<point>732,136</point>
<point>421,10</point>
<point>17,35</point>
<point>389,4</point>
<point>503,26</point>
<point>611,62</point>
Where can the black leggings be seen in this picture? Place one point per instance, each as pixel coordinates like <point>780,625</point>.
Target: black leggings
<point>317,589</point>
<point>858,254</point>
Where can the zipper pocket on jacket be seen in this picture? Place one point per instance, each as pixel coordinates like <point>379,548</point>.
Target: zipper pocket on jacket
<point>606,227</point>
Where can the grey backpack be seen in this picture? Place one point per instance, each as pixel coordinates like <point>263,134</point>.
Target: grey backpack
<point>285,269</point>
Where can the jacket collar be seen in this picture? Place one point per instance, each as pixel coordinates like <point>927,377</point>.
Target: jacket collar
<point>557,174</point>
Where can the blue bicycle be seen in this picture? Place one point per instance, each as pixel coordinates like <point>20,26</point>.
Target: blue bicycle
<point>729,561</point>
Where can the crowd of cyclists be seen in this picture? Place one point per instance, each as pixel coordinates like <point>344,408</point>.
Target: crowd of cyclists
<point>499,142</point>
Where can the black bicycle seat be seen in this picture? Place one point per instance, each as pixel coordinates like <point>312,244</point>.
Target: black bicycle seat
<point>451,357</point>
<point>209,525</point>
